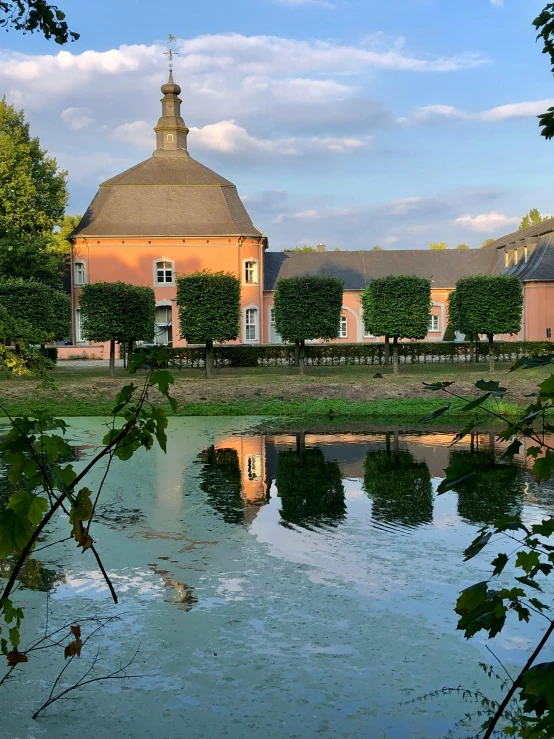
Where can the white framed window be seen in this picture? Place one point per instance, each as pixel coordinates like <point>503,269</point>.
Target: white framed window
<point>251,272</point>
<point>516,256</point>
<point>434,324</point>
<point>254,467</point>
<point>164,327</point>
<point>343,329</point>
<point>79,338</point>
<point>506,260</point>
<point>251,324</point>
<point>164,272</point>
<point>79,273</point>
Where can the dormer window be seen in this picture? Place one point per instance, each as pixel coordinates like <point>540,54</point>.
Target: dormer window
<point>251,272</point>
<point>79,273</point>
<point>163,272</point>
<point>506,260</point>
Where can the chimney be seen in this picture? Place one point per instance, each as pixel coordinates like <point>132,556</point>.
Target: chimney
<point>321,247</point>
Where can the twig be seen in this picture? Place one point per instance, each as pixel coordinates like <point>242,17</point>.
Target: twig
<point>497,658</point>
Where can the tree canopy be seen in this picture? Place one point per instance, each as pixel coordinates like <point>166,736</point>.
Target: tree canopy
<point>462,246</point>
<point>117,311</point>
<point>38,305</point>
<point>438,245</point>
<point>33,196</point>
<point>544,25</point>
<point>209,309</point>
<point>308,308</point>
<point>39,16</point>
<point>533,218</point>
<point>486,242</point>
<point>487,304</point>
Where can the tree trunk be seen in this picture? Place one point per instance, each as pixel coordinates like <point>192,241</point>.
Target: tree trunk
<point>387,350</point>
<point>130,350</point>
<point>300,444</point>
<point>396,442</point>
<point>112,357</point>
<point>395,355</point>
<point>209,357</point>
<point>301,356</point>
<point>387,442</point>
<point>296,353</point>
<point>491,352</point>
<point>471,349</point>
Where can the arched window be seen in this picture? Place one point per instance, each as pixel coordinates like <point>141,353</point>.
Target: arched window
<point>251,272</point>
<point>343,330</point>
<point>163,272</point>
<point>170,137</point>
<point>78,273</point>
<point>251,324</point>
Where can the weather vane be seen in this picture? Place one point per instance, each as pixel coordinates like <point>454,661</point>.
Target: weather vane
<point>170,53</point>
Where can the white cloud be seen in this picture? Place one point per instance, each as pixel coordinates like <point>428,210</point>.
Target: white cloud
<point>489,223</point>
<point>431,113</point>
<point>299,3</point>
<point>93,168</point>
<point>497,3</point>
<point>77,118</point>
<point>226,137</point>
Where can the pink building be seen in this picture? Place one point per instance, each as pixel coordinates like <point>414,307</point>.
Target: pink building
<point>171,215</point>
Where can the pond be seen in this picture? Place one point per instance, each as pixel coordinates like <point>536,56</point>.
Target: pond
<point>284,585</point>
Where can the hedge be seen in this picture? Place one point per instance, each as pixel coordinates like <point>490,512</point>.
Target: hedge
<point>272,355</point>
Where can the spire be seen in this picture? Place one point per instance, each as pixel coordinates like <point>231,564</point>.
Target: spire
<point>171,131</point>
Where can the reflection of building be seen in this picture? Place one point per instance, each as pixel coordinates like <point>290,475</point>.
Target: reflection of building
<point>251,459</point>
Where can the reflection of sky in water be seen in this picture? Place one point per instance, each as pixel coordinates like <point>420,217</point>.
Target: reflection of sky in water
<point>325,626</point>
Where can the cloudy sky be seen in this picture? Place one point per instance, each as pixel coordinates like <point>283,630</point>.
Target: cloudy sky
<point>352,122</point>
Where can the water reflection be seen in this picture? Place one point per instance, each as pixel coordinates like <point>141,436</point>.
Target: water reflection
<point>310,487</point>
<point>492,491</point>
<point>399,486</point>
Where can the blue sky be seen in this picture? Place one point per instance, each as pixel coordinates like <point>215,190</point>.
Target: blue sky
<point>352,122</point>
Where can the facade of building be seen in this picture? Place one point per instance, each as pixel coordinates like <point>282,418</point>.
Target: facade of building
<point>171,215</point>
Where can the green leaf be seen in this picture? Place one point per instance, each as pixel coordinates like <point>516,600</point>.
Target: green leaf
<point>435,414</point>
<point>529,581</point>
<point>163,379</point>
<point>477,545</point>
<point>532,362</point>
<point>15,531</point>
<point>448,484</point>
<point>544,466</point>
<point>527,560</point>
<point>464,432</point>
<point>25,503</point>
<point>537,688</point>
<point>475,403</point>
<point>434,386</point>
<point>499,563</point>
<point>136,361</point>
<point>513,449</point>
<point>490,386</point>
<point>471,597</point>
<point>81,509</point>
<point>15,638</point>
<point>546,388</point>
<point>545,528</point>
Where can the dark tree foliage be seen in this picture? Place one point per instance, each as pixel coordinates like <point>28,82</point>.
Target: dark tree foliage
<point>487,304</point>
<point>400,488</point>
<point>310,488</point>
<point>492,491</point>
<point>42,307</point>
<point>307,308</point>
<point>29,16</point>
<point>397,307</point>
<point>209,309</point>
<point>220,479</point>
<point>544,24</point>
<point>116,311</point>
<point>450,333</point>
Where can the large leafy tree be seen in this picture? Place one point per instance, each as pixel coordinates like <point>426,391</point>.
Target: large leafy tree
<point>487,304</point>
<point>209,309</point>
<point>533,218</point>
<point>438,245</point>
<point>116,311</point>
<point>397,307</point>
<point>30,16</point>
<point>544,24</point>
<point>33,196</point>
<point>40,306</point>
<point>307,308</point>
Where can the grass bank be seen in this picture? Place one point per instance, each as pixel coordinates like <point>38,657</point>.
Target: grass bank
<point>350,392</point>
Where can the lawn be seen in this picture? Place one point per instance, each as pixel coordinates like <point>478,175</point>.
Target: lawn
<point>335,391</point>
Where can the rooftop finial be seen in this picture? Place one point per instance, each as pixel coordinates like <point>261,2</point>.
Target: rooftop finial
<point>170,53</point>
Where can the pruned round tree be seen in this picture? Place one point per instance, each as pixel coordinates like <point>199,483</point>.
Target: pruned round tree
<point>397,307</point>
<point>44,308</point>
<point>209,309</point>
<point>307,308</point>
<point>489,305</point>
<point>116,311</point>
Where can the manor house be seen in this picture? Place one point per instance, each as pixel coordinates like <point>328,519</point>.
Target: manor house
<point>172,215</point>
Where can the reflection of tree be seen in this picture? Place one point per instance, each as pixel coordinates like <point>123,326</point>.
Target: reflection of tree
<point>34,575</point>
<point>493,491</point>
<point>220,479</point>
<point>400,488</point>
<point>182,596</point>
<point>310,488</point>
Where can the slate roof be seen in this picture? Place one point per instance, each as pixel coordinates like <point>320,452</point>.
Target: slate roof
<point>357,268</point>
<point>533,231</point>
<point>539,266</point>
<point>167,196</point>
